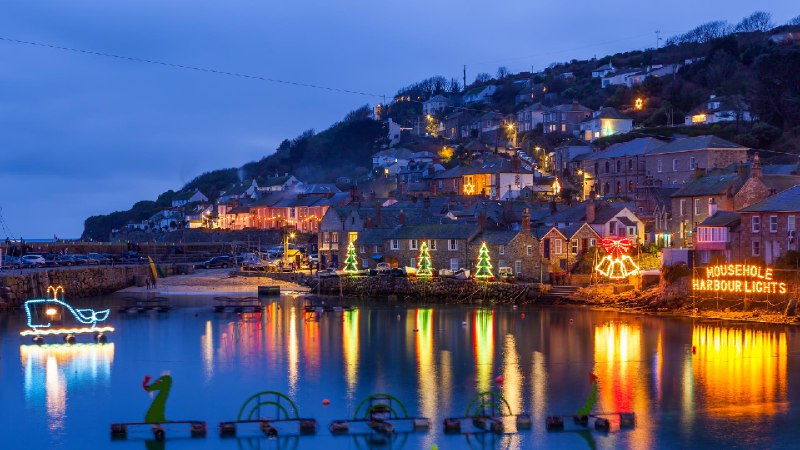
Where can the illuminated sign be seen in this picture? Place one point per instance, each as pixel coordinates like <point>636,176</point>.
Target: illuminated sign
<point>616,264</point>
<point>739,278</point>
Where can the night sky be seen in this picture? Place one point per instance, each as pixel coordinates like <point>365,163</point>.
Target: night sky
<point>84,134</point>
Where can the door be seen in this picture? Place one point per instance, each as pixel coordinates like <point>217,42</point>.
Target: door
<point>546,243</point>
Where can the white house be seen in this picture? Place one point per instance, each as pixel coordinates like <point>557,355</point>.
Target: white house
<point>186,197</point>
<point>530,116</point>
<point>603,70</point>
<point>480,94</point>
<point>605,122</point>
<point>275,184</point>
<point>719,109</point>
<point>435,104</point>
<point>394,130</point>
<point>241,190</point>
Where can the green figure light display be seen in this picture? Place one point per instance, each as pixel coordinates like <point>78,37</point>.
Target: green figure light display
<point>162,384</point>
<point>351,263</point>
<point>484,267</point>
<point>592,400</point>
<point>424,268</point>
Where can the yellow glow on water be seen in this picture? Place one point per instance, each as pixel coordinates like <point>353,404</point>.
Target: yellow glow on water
<point>741,373</point>
<point>350,346</point>
<point>539,387</point>
<point>428,388</point>
<point>292,356</point>
<point>207,350</point>
<point>55,369</point>
<point>512,389</point>
<point>483,321</point>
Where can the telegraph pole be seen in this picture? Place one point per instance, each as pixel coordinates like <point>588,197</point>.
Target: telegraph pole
<point>658,38</point>
<point>465,77</point>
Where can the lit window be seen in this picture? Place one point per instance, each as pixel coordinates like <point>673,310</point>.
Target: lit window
<point>573,246</point>
<point>557,243</point>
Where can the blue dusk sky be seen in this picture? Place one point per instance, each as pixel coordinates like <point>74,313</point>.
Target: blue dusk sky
<point>82,134</point>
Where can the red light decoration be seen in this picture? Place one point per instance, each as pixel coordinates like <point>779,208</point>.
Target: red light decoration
<point>617,264</point>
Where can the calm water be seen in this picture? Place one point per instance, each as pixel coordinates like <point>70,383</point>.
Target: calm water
<point>740,388</point>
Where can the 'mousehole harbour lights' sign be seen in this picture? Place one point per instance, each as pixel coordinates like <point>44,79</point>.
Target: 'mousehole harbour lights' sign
<point>738,278</point>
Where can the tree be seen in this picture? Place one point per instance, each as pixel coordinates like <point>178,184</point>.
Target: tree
<point>502,72</point>
<point>758,21</point>
<point>351,263</point>
<point>794,21</point>
<point>482,77</point>
<point>484,267</point>
<point>424,268</point>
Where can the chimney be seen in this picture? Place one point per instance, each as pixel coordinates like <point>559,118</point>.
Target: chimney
<point>426,202</point>
<point>368,223</point>
<point>553,207</point>
<point>712,207</point>
<point>378,213</point>
<point>515,164</point>
<point>590,209</point>
<point>699,172</point>
<point>755,169</point>
<point>741,169</point>
<point>402,217</point>
<point>482,220</point>
<point>526,220</point>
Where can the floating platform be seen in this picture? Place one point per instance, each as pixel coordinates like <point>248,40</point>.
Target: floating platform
<point>141,305</point>
<point>382,415</point>
<point>269,290</point>
<point>237,304</point>
<point>600,422</point>
<point>197,428</point>
<point>285,415</point>
<point>487,412</point>
<point>271,427</point>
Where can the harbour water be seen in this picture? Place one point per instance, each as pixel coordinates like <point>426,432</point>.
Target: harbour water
<point>691,383</point>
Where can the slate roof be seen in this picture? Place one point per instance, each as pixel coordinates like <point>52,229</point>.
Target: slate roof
<point>696,143</point>
<point>788,200</point>
<point>715,183</point>
<point>571,107</point>
<point>319,188</point>
<point>435,231</point>
<point>497,237</point>
<point>373,236</point>
<point>185,195</point>
<point>722,219</point>
<point>726,103</point>
<point>636,147</point>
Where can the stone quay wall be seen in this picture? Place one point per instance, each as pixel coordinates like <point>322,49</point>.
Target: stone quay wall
<point>78,282</point>
<point>442,289</point>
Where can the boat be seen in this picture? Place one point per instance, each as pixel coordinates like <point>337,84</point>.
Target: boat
<point>54,316</point>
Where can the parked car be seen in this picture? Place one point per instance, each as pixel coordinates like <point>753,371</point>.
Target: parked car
<point>313,258</point>
<point>97,258</point>
<point>132,257</point>
<point>217,262</point>
<point>65,260</point>
<point>32,261</point>
<point>252,261</point>
<point>383,268</point>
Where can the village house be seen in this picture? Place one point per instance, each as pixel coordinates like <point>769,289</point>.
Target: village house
<point>674,163</point>
<point>565,119</point>
<point>718,237</point>
<point>618,170</point>
<point>607,219</point>
<point>435,105</point>
<point>479,94</point>
<point>603,70</point>
<point>719,109</point>
<point>186,197</point>
<point>562,248</point>
<point>605,122</point>
<point>531,116</point>
<point>447,245</point>
<point>276,183</point>
<point>492,177</point>
<point>769,227</point>
<point>243,190</point>
<point>517,250</point>
<point>566,153</point>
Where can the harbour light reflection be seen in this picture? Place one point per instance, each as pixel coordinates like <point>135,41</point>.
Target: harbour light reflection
<point>350,344</point>
<point>483,321</point>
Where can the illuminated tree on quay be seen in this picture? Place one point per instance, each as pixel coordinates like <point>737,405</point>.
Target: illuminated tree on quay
<point>351,263</point>
<point>484,267</point>
<point>424,268</point>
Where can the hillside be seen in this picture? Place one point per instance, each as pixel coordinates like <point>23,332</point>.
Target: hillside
<point>742,60</point>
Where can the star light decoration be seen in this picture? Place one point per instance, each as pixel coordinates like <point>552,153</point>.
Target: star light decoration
<point>617,264</point>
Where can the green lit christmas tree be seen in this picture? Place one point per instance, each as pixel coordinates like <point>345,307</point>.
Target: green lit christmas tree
<point>424,268</point>
<point>351,263</point>
<point>484,267</point>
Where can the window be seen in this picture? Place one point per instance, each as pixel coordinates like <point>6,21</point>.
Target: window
<point>364,263</point>
<point>630,189</point>
<point>619,166</point>
<point>563,128</point>
<point>674,165</point>
<point>412,262</point>
<point>292,212</point>
<point>630,164</point>
<point>658,166</point>
<point>334,238</point>
<point>591,242</point>
<point>413,244</point>
<point>790,223</point>
<point>557,243</point>
<point>619,187</point>
<point>691,163</point>
<point>454,264</point>
<point>452,244</point>
<point>755,224</point>
<point>529,250</point>
<point>683,207</point>
<point>501,249</point>
<point>756,248</point>
<point>362,249</point>
<point>352,236</point>
<point>608,167</point>
<point>518,267</point>
<point>573,244</point>
<point>697,207</point>
<point>376,249</point>
<point>395,244</point>
<point>773,224</point>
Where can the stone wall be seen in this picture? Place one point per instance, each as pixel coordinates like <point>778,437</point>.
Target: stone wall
<point>442,290</point>
<point>78,282</point>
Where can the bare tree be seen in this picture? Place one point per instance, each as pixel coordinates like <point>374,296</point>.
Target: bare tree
<point>482,77</point>
<point>795,21</point>
<point>758,21</point>
<point>502,72</point>
<point>702,33</point>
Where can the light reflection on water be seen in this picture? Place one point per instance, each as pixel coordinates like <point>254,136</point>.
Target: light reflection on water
<point>738,375</point>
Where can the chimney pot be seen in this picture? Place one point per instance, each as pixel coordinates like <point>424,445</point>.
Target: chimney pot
<point>402,217</point>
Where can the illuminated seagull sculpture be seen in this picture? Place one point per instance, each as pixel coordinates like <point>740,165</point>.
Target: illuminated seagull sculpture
<point>43,312</point>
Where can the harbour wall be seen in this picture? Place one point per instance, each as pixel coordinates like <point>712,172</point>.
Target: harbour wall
<point>440,289</point>
<point>78,282</point>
